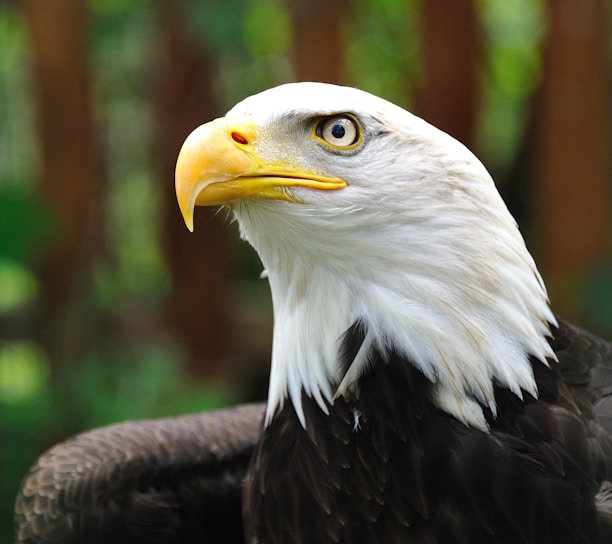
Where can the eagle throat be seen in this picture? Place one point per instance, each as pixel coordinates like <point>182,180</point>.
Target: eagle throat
<point>467,324</point>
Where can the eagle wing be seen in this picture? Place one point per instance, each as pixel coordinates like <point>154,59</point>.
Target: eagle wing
<point>166,480</point>
<point>180,479</point>
<point>585,362</point>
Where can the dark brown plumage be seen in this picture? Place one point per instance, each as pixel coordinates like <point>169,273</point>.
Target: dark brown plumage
<point>155,481</point>
<point>431,479</point>
<point>180,479</point>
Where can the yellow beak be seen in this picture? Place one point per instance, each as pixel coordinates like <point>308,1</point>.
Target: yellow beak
<point>218,164</point>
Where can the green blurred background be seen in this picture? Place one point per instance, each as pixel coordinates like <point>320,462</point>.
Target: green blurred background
<point>111,310</point>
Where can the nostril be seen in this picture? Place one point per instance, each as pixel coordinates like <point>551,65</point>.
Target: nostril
<point>239,138</point>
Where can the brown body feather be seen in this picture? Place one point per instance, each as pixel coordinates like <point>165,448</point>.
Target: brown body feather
<point>385,466</point>
<point>156,481</point>
<point>388,466</point>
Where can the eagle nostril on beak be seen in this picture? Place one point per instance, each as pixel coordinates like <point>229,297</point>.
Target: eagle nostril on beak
<point>239,138</point>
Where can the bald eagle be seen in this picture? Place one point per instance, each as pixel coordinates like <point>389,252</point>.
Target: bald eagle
<point>421,389</point>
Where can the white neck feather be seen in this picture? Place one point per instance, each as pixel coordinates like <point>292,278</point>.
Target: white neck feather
<point>434,265</point>
<point>467,321</point>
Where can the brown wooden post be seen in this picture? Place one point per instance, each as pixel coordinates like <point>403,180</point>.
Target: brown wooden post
<point>198,310</point>
<point>573,149</point>
<point>68,163</point>
<point>449,38</point>
<point>318,51</point>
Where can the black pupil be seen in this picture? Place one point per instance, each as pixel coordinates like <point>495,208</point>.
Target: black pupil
<point>338,131</point>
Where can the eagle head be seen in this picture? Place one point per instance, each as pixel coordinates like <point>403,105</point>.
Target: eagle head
<point>364,213</point>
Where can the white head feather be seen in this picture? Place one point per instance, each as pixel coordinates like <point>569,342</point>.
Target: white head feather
<point>419,246</point>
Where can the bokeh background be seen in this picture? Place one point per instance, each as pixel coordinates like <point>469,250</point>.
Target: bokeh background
<point>111,310</point>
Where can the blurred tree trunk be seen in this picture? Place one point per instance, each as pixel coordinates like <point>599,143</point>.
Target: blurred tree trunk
<point>450,46</point>
<point>572,149</point>
<point>68,162</point>
<point>198,311</point>
<point>318,52</point>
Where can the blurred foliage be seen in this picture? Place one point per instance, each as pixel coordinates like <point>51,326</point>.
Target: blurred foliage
<point>382,43</point>
<point>24,214</point>
<point>598,300</point>
<point>17,286</point>
<point>24,371</point>
<point>512,72</point>
<point>120,376</point>
<point>248,59</point>
<point>123,53</point>
<point>109,385</point>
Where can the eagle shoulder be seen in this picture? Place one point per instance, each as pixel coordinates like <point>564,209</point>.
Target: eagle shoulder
<point>400,469</point>
<point>167,480</point>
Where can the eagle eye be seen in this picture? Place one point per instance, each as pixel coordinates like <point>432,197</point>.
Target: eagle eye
<point>339,131</point>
